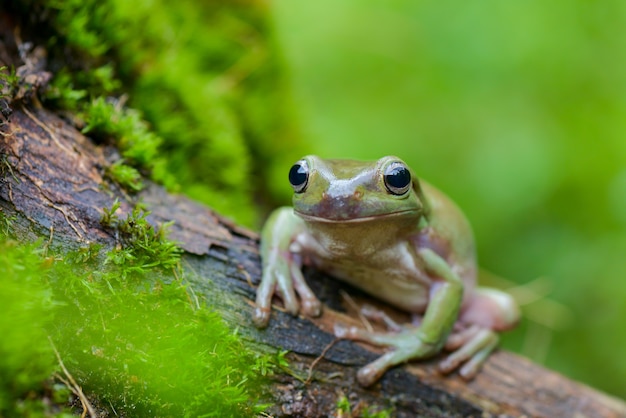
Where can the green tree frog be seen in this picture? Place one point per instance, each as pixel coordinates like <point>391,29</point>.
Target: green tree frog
<point>378,227</point>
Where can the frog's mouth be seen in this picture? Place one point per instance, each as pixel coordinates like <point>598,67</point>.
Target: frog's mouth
<point>349,218</point>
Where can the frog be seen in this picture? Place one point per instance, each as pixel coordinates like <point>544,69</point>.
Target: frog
<point>378,227</point>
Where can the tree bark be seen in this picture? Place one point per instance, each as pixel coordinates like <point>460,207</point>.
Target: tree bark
<point>52,182</point>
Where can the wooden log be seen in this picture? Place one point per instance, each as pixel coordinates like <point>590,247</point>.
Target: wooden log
<point>52,181</point>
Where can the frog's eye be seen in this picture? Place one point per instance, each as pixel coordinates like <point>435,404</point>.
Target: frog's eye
<point>299,176</point>
<point>397,178</point>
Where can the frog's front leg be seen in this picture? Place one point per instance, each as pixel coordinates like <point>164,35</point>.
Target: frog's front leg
<point>423,341</point>
<point>281,269</point>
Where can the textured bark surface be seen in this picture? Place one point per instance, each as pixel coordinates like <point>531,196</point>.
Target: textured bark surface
<point>52,181</point>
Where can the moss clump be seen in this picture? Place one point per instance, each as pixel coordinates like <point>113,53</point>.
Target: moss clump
<point>131,332</point>
<point>26,355</point>
<point>360,410</point>
<point>124,175</point>
<point>143,246</point>
<point>203,80</point>
<point>152,349</point>
<point>136,142</point>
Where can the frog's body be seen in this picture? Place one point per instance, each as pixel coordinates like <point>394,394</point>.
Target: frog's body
<point>362,253</point>
<point>375,226</point>
<point>338,250</point>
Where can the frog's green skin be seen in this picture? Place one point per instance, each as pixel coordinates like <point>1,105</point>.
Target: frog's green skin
<point>414,250</point>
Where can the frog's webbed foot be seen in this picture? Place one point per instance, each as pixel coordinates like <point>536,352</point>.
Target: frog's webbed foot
<point>379,316</point>
<point>286,280</point>
<point>488,310</point>
<point>471,347</point>
<point>406,345</point>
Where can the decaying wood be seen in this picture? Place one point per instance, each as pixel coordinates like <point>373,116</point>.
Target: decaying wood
<point>52,182</point>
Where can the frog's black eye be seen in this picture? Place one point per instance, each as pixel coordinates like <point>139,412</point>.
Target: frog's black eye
<point>397,178</point>
<point>299,176</point>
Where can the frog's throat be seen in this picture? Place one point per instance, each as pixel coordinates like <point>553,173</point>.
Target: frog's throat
<point>402,213</point>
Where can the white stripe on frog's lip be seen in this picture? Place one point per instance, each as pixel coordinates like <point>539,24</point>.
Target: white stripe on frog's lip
<point>357,219</point>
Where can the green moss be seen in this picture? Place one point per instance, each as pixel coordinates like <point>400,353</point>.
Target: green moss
<point>8,87</point>
<point>6,223</point>
<point>343,405</point>
<point>27,359</point>
<point>9,82</point>
<point>377,413</point>
<point>204,108</point>
<point>138,340</point>
<point>127,326</point>
<point>109,216</point>
<point>344,408</point>
<point>62,94</point>
<point>143,246</point>
<point>154,351</point>
<point>109,119</point>
<point>124,175</point>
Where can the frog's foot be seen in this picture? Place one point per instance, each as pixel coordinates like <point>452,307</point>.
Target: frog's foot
<point>310,304</point>
<point>381,317</point>
<point>472,347</point>
<point>486,311</point>
<point>285,280</point>
<point>406,345</point>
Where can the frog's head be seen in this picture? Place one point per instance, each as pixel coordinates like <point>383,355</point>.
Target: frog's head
<point>347,190</point>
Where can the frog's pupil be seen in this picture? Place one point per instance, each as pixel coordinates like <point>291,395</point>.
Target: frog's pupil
<point>398,177</point>
<point>297,175</point>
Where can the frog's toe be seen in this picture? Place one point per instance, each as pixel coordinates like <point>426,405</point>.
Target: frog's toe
<point>367,375</point>
<point>461,337</point>
<point>311,307</point>
<point>341,331</point>
<point>472,367</point>
<point>292,306</point>
<point>288,295</point>
<point>261,317</point>
<point>377,315</point>
<point>472,354</point>
<point>370,373</point>
<point>358,334</point>
<point>264,294</point>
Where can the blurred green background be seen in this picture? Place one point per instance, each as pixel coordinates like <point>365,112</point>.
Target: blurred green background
<point>518,111</point>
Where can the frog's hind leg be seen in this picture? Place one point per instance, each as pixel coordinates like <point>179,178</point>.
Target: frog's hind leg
<point>490,308</point>
<point>487,311</point>
<point>473,345</point>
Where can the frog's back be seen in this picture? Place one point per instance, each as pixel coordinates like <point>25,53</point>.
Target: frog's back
<point>453,230</point>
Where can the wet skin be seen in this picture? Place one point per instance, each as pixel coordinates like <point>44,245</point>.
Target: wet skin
<point>376,226</point>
